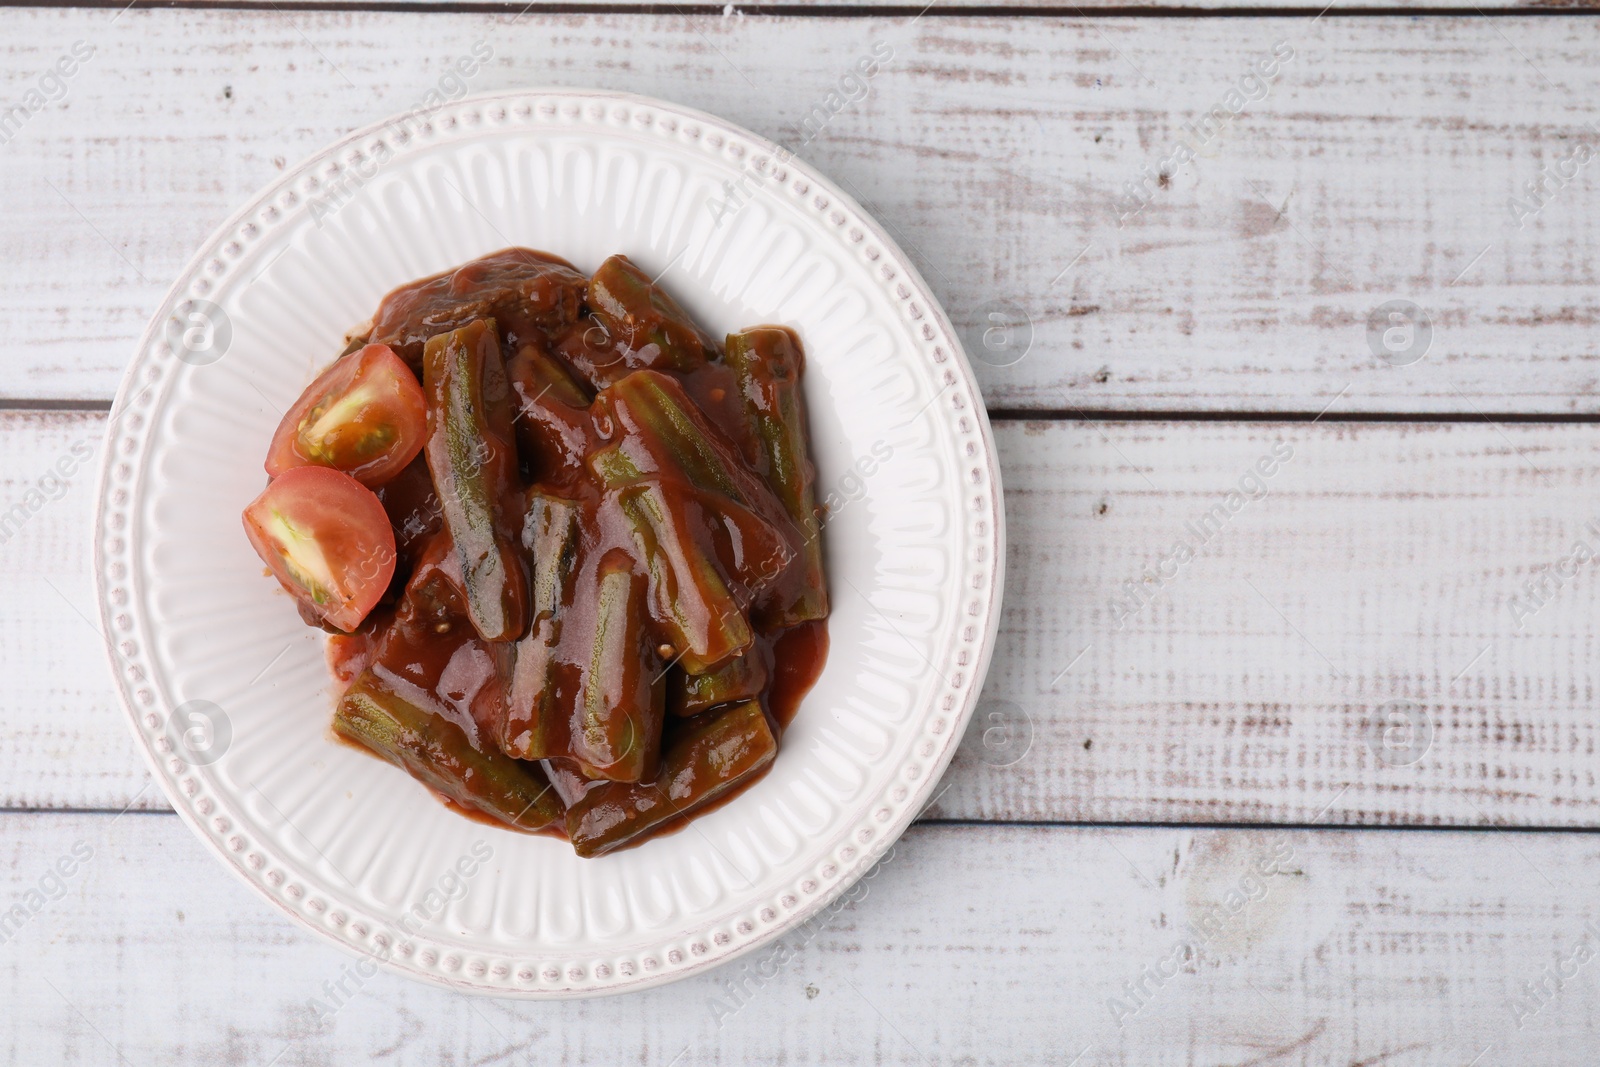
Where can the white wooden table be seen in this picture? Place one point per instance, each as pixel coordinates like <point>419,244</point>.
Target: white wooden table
<point>1206,852</point>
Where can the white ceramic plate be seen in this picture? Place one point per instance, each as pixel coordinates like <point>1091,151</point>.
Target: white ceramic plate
<point>227,691</point>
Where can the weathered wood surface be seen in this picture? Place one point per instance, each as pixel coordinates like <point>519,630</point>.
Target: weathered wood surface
<point>1383,564</point>
<point>958,9</point>
<point>918,9</point>
<point>1379,166</point>
<point>973,945</point>
<point>1375,564</point>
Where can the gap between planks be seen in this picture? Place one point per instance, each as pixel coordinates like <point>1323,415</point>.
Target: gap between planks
<point>997,414</point>
<point>1042,824</point>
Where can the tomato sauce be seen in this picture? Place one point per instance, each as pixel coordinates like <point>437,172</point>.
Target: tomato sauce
<point>692,518</point>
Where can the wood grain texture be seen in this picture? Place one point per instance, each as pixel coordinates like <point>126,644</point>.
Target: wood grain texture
<point>1381,565</point>
<point>940,8</point>
<point>1379,166</point>
<point>65,739</point>
<point>971,945</point>
<point>1375,564</point>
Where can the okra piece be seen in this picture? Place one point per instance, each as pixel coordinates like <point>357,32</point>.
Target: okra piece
<point>550,533</point>
<point>768,362</point>
<point>535,725</point>
<point>552,420</point>
<point>617,735</point>
<point>437,752</point>
<point>545,379</point>
<point>741,678</point>
<point>472,455</point>
<point>709,755</point>
<point>759,551</point>
<point>632,309</point>
<point>613,469</point>
<point>661,431</point>
<point>689,597</point>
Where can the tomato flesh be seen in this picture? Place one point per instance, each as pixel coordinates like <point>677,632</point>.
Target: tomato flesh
<point>327,540</point>
<point>365,415</point>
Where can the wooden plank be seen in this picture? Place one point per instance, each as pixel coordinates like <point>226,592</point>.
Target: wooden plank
<point>971,945</point>
<point>1378,167</point>
<point>66,742</point>
<point>1384,564</point>
<point>948,8</point>
<point>1380,568</point>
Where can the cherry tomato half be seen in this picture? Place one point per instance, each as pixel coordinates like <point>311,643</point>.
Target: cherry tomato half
<point>365,415</point>
<point>327,540</point>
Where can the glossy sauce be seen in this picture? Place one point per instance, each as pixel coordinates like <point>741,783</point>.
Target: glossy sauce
<point>429,649</point>
<point>528,293</point>
<point>423,643</point>
<point>800,652</point>
<point>348,655</point>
